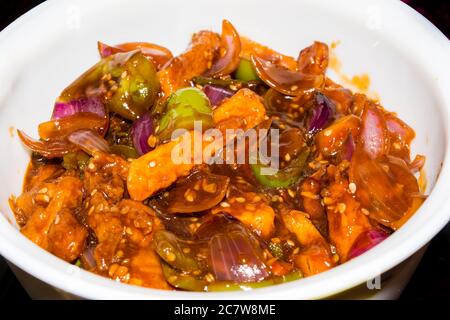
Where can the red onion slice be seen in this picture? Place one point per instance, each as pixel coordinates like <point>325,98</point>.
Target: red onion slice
<point>216,94</point>
<point>231,42</point>
<point>348,148</point>
<point>88,258</point>
<point>88,141</point>
<point>141,130</point>
<point>235,258</point>
<point>48,149</point>
<point>157,54</point>
<point>366,241</point>
<point>91,104</point>
<point>374,135</point>
<point>322,113</point>
<point>288,82</point>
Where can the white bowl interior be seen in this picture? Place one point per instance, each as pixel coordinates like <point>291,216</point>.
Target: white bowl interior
<point>44,57</point>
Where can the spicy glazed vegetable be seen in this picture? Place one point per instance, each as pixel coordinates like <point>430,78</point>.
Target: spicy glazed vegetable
<point>104,191</point>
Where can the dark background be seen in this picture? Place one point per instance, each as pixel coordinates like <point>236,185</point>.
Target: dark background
<point>431,280</point>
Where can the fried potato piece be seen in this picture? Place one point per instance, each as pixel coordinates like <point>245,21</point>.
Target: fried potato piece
<point>312,205</point>
<point>250,208</point>
<point>51,200</point>
<point>41,173</point>
<point>345,220</point>
<point>195,61</point>
<point>106,174</point>
<point>155,171</point>
<point>244,110</point>
<point>147,271</point>
<point>249,48</point>
<point>66,236</point>
<point>316,256</point>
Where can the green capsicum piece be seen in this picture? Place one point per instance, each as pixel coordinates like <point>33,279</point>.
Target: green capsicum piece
<point>246,71</point>
<point>284,178</point>
<point>191,283</point>
<point>127,82</point>
<point>170,248</point>
<point>184,107</point>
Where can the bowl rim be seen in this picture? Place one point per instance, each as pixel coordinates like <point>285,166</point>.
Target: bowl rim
<point>39,263</point>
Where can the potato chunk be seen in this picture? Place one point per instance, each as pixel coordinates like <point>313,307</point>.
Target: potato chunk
<point>155,171</point>
<point>244,110</point>
<point>195,61</point>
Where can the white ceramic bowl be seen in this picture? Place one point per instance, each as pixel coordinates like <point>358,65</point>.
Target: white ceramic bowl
<point>405,56</point>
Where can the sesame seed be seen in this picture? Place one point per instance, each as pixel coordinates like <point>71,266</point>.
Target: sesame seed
<point>291,193</point>
<point>125,210</point>
<point>119,254</point>
<point>190,195</point>
<point>287,157</point>
<point>43,190</point>
<point>93,192</point>
<point>333,249</point>
<point>290,243</point>
<point>352,187</point>
<point>240,199</point>
<point>209,187</point>
<point>91,210</point>
<point>129,231</point>
<point>209,277</point>
<point>256,199</point>
<point>224,204</point>
<point>365,211</point>
<point>124,74</point>
<point>294,87</point>
<point>43,198</point>
<point>57,219</point>
<point>91,166</point>
<point>296,250</point>
<point>152,140</point>
<point>152,164</point>
<point>170,256</point>
<point>341,207</point>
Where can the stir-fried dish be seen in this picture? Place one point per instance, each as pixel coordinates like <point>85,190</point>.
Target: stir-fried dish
<point>104,192</point>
